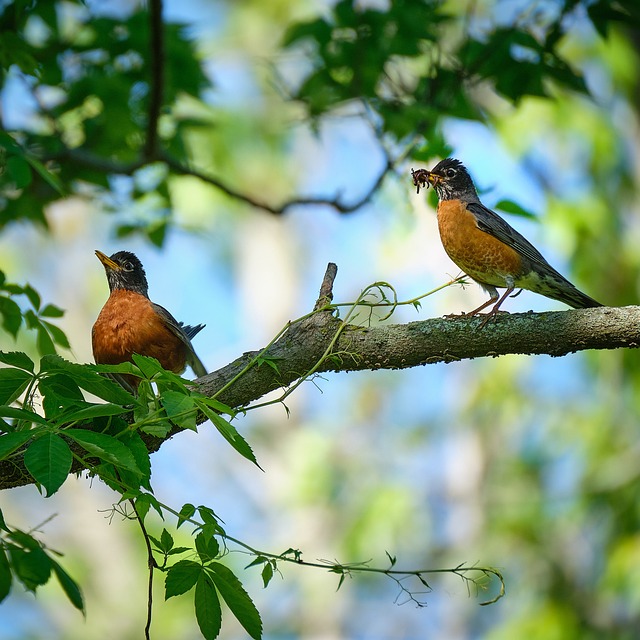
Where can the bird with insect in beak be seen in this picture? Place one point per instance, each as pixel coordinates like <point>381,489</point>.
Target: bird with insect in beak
<point>486,247</point>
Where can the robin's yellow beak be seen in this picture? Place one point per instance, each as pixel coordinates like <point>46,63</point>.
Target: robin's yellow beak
<point>433,178</point>
<point>107,261</point>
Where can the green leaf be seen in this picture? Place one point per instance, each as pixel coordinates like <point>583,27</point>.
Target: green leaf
<point>218,406</point>
<point>51,311</point>
<point>5,575</point>
<point>107,448</point>
<point>13,382</point>
<point>43,341</point>
<point>149,366</point>
<point>33,295</point>
<point>186,512</point>
<point>272,362</point>
<point>69,586</point>
<point>207,605</point>
<point>21,414</point>
<point>229,433</point>
<point>180,409</point>
<point>19,170</point>
<point>12,441</point>
<point>57,334</point>
<point>11,315</point>
<point>88,378</point>
<point>509,206</point>
<point>17,359</point>
<point>207,547</point>
<point>50,178</point>
<point>267,574</point>
<point>24,540</point>
<point>210,518</point>
<point>166,541</point>
<point>32,567</point>
<point>91,411</point>
<point>49,460</point>
<point>136,445</point>
<point>144,502</point>
<point>60,394</point>
<point>237,599</point>
<point>181,577</point>
<point>256,561</point>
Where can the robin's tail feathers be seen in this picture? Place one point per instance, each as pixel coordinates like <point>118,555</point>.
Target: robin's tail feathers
<point>191,331</point>
<point>565,292</point>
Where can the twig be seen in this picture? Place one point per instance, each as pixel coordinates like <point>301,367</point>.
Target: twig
<point>336,202</point>
<point>151,564</point>
<point>326,288</point>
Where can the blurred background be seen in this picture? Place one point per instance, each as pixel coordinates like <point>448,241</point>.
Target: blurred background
<point>528,464</point>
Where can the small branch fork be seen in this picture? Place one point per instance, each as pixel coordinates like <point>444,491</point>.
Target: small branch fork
<point>326,288</point>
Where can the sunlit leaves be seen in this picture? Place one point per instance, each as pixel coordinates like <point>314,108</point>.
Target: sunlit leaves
<point>69,585</point>
<point>37,318</point>
<point>13,382</point>
<point>226,429</point>
<point>213,581</point>
<point>49,460</point>
<point>105,447</point>
<point>237,599</point>
<point>182,577</point>
<point>207,606</point>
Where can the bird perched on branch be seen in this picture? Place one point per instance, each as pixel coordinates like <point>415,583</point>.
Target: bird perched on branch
<point>130,323</point>
<point>486,247</point>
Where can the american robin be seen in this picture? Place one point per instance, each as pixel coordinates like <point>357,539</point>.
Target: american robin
<point>130,323</point>
<point>488,249</point>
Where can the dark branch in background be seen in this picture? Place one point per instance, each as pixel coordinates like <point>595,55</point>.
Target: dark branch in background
<point>120,168</point>
<point>156,89</point>
<point>153,151</point>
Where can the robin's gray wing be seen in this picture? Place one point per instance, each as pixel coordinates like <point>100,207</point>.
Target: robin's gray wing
<point>491,223</point>
<point>184,333</point>
<point>552,283</point>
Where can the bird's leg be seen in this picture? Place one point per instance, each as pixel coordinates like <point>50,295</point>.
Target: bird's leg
<point>491,300</point>
<point>493,292</point>
<point>496,307</point>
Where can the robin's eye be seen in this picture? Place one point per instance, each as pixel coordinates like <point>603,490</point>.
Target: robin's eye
<point>127,266</point>
<point>450,173</point>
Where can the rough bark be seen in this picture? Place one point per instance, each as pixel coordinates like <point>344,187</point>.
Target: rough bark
<point>397,346</point>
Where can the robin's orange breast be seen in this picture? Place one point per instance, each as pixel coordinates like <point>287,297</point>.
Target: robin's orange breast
<point>128,324</point>
<point>481,256</point>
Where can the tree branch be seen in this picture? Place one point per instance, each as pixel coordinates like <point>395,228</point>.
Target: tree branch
<point>85,159</point>
<point>303,348</point>
<point>400,346</point>
<point>156,89</point>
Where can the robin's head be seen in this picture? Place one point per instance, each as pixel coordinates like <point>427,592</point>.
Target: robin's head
<point>124,271</point>
<point>452,181</point>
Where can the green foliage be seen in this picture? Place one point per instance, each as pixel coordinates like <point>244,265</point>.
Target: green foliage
<point>101,71</point>
<point>407,62</point>
<point>212,581</point>
<point>35,316</point>
<point>27,560</point>
<point>412,66</point>
<point>96,436</point>
<point>105,442</point>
